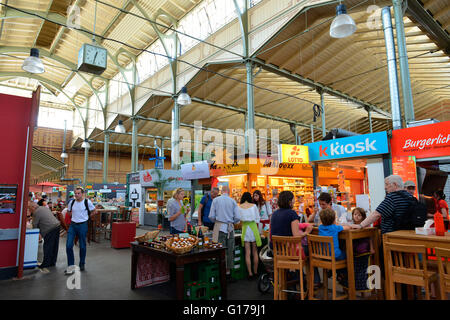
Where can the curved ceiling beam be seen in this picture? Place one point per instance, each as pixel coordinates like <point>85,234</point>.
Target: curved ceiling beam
<point>47,54</point>
<point>44,81</point>
<point>61,20</point>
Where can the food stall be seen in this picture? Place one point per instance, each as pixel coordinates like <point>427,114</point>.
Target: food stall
<point>351,169</point>
<point>264,174</point>
<point>149,181</point>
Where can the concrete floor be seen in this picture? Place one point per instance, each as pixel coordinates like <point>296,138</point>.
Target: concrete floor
<point>107,276</point>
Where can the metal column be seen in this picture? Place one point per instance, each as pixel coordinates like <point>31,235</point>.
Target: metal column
<point>392,67</point>
<point>134,146</point>
<point>105,158</point>
<point>312,133</point>
<point>403,61</point>
<point>251,142</point>
<point>86,154</point>
<point>322,104</point>
<point>370,120</point>
<point>175,153</point>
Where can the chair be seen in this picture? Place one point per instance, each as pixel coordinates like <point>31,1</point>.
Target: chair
<point>443,258</point>
<point>287,255</point>
<point>369,262</point>
<point>321,255</point>
<point>405,267</point>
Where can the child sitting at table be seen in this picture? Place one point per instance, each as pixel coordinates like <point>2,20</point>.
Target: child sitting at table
<point>328,228</point>
<point>365,245</point>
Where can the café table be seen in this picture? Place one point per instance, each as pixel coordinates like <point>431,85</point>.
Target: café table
<point>348,236</point>
<point>179,260</point>
<point>409,237</point>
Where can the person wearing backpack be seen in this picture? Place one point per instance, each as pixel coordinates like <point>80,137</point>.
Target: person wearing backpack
<point>398,211</point>
<point>80,210</point>
<point>205,207</point>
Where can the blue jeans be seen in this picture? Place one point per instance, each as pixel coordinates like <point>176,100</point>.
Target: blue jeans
<point>79,230</point>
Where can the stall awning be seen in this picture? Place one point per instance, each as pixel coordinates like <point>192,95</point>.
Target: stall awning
<point>44,167</point>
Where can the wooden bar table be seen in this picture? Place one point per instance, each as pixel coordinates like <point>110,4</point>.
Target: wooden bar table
<point>349,236</point>
<point>410,237</point>
<point>180,260</point>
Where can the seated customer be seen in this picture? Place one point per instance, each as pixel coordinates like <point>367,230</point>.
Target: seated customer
<point>364,245</point>
<point>285,220</point>
<point>328,228</point>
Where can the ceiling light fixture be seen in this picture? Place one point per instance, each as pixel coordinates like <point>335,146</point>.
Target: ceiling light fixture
<point>343,25</point>
<point>85,144</point>
<point>120,127</point>
<point>184,99</point>
<point>64,155</point>
<point>33,63</point>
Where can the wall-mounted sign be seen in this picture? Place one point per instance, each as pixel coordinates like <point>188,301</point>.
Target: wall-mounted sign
<point>289,153</point>
<point>8,197</point>
<point>427,141</point>
<point>173,177</point>
<point>350,147</point>
<point>195,170</point>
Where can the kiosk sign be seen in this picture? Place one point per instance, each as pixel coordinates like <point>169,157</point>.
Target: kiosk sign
<point>355,146</point>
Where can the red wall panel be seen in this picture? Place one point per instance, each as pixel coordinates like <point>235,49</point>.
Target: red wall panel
<point>15,113</point>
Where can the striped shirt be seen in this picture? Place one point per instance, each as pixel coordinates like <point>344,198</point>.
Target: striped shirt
<point>394,205</point>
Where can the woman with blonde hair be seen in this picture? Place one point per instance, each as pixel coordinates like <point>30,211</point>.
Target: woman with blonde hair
<point>177,212</point>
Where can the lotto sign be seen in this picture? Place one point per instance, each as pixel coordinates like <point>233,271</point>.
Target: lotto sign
<point>293,154</point>
<point>355,146</point>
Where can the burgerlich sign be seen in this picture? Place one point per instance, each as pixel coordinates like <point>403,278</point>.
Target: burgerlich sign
<point>427,141</point>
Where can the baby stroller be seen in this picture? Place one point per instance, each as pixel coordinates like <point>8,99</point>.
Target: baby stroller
<point>265,280</point>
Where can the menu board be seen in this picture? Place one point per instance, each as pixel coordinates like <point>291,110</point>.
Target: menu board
<point>8,197</point>
<point>405,167</point>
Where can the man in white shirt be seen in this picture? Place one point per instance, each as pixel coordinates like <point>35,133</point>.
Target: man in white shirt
<point>325,201</point>
<point>79,209</point>
<point>225,213</point>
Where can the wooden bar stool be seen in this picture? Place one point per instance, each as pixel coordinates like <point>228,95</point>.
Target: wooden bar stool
<point>403,263</point>
<point>443,260</point>
<point>287,255</point>
<point>321,255</point>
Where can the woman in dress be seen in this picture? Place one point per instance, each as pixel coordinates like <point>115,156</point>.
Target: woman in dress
<point>250,235</point>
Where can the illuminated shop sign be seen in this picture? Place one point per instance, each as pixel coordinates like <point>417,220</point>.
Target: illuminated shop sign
<point>350,147</point>
<point>289,153</point>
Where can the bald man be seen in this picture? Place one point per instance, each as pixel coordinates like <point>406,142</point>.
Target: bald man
<point>49,228</point>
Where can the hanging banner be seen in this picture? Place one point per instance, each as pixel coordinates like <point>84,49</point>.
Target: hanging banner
<point>195,170</point>
<point>173,177</point>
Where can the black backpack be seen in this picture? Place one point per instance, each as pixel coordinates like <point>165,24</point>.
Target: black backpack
<point>414,217</point>
<point>85,204</point>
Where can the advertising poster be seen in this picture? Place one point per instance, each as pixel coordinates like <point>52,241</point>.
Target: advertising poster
<point>8,196</point>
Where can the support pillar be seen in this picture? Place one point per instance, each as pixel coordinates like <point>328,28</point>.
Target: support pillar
<point>86,154</point>
<point>322,103</point>
<point>105,158</point>
<point>175,136</point>
<point>403,61</point>
<point>250,136</point>
<point>134,146</point>
<point>370,120</point>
